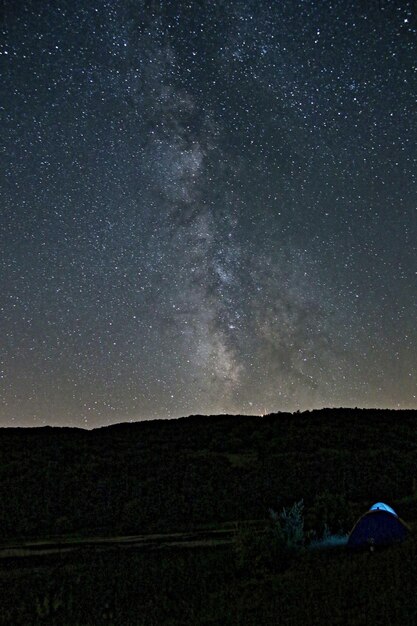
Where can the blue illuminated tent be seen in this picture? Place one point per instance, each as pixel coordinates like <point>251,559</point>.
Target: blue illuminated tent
<point>381,506</point>
<point>379,526</point>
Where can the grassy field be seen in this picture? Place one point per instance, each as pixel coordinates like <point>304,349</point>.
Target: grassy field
<point>197,581</point>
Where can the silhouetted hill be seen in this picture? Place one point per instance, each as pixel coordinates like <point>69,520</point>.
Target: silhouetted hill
<point>185,473</point>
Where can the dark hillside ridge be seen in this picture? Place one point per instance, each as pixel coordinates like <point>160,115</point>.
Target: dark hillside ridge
<point>168,475</point>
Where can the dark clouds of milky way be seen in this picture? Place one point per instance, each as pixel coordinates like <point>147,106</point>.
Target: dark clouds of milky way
<point>207,207</point>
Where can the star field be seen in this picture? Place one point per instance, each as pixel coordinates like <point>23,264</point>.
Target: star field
<point>206,208</point>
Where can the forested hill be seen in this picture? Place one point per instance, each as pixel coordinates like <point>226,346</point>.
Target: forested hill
<point>200,471</point>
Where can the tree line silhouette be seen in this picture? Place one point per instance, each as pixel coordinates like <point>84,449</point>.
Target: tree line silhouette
<point>199,471</point>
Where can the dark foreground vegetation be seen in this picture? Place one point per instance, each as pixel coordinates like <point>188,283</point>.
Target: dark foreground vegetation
<point>275,484</point>
<point>179,586</point>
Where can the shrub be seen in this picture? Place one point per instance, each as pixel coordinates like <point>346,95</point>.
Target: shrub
<point>273,547</point>
<point>290,523</point>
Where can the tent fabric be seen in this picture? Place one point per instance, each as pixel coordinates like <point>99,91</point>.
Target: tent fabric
<point>381,506</point>
<point>377,527</point>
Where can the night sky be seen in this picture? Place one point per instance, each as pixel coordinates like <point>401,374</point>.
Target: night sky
<point>206,207</point>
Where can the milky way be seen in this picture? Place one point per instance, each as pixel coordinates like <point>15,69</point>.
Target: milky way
<point>207,207</point>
